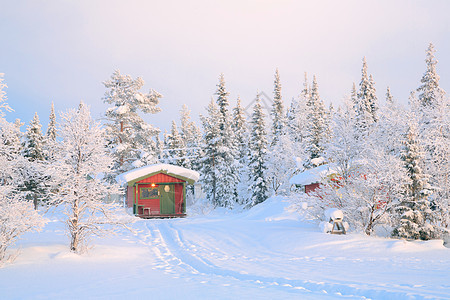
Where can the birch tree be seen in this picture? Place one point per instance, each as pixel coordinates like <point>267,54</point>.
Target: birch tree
<point>77,175</point>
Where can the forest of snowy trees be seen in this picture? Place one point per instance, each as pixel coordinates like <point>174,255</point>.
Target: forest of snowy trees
<point>392,160</point>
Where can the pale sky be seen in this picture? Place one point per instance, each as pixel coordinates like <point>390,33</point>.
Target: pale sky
<point>62,50</point>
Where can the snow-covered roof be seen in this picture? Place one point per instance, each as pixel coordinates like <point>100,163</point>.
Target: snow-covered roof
<point>312,175</point>
<point>190,175</point>
<point>318,161</point>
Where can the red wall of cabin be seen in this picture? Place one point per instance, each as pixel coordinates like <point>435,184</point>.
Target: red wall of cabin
<point>154,204</point>
<point>160,177</point>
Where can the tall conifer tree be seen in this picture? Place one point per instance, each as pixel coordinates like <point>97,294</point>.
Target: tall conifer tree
<point>415,208</point>
<point>316,126</point>
<point>51,129</point>
<point>429,90</point>
<point>225,161</point>
<point>129,137</point>
<point>210,146</point>
<point>176,147</point>
<point>258,156</point>
<point>33,150</point>
<point>366,102</point>
<point>239,127</point>
<point>277,112</point>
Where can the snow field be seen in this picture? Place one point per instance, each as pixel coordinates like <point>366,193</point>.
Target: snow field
<point>264,253</point>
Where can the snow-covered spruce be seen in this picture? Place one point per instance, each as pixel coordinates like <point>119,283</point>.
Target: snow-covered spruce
<point>415,208</point>
<point>241,136</point>
<point>209,148</point>
<point>191,136</point>
<point>281,163</point>
<point>33,149</point>
<point>219,166</point>
<point>432,106</point>
<point>257,157</point>
<point>315,136</point>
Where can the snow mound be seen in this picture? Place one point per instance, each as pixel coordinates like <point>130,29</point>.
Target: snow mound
<point>333,214</point>
<point>170,169</point>
<point>416,246</point>
<point>273,209</point>
<point>326,227</point>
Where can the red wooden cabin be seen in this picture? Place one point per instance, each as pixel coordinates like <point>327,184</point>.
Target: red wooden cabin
<point>158,191</point>
<point>310,179</point>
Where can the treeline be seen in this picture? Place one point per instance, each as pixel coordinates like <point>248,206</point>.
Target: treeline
<point>392,162</point>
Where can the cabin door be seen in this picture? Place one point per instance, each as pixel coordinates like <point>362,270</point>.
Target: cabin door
<point>167,199</point>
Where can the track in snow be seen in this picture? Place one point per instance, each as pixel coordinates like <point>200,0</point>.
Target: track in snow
<point>206,263</point>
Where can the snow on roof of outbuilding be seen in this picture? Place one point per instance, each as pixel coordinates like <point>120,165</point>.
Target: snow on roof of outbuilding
<point>190,175</point>
<point>313,175</point>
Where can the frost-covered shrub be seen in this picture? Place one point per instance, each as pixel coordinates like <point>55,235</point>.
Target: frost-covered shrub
<point>17,216</point>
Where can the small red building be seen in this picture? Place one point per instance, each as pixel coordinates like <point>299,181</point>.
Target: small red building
<point>157,191</point>
<point>310,179</point>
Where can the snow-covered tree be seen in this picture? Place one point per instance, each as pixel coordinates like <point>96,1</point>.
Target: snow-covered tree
<point>159,148</point>
<point>316,125</point>
<point>33,140</point>
<point>17,215</point>
<point>257,156</point>
<point>240,129</point>
<point>79,181</point>
<point>432,106</point>
<point>51,128</point>
<point>430,91</point>
<point>367,94</point>
<point>129,137</point>
<point>365,102</point>
<point>392,124</point>
<point>297,116</point>
<point>176,148</point>
<point>49,143</point>
<point>364,180</point>
<point>389,98</point>
<point>191,137</point>
<point>415,209</point>
<point>33,150</point>
<point>277,113</point>
<point>226,164</point>
<point>209,172</point>
<point>281,165</point>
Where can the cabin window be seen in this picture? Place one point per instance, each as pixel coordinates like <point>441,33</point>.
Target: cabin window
<point>149,193</point>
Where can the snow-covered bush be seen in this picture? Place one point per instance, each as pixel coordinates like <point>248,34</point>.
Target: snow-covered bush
<point>17,216</point>
<point>369,179</point>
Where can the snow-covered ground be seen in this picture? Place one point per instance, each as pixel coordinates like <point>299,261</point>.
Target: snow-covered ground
<point>264,253</point>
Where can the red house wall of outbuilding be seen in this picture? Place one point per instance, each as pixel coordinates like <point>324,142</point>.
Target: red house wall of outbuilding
<point>311,187</point>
